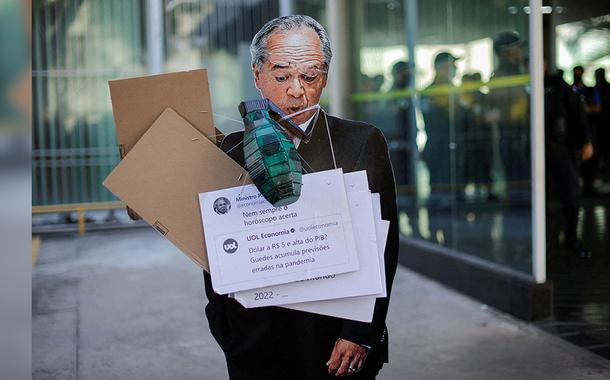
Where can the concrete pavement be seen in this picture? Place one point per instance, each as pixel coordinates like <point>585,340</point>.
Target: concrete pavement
<point>128,305</point>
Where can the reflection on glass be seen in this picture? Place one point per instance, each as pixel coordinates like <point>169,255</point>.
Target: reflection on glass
<point>79,45</point>
<point>511,103</point>
<point>456,117</point>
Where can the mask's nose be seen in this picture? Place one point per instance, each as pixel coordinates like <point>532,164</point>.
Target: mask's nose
<point>296,88</point>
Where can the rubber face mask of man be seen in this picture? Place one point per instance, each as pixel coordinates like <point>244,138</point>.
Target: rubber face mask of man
<point>293,74</point>
<point>292,78</point>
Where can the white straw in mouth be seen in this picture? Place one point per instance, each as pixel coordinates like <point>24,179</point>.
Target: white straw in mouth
<point>315,106</point>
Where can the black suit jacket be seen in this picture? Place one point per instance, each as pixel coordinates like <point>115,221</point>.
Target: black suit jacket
<point>271,340</point>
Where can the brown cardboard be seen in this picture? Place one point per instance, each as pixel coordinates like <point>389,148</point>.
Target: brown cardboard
<point>137,102</point>
<point>163,174</point>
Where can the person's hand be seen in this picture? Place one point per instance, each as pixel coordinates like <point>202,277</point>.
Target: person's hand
<point>347,358</point>
<point>587,152</point>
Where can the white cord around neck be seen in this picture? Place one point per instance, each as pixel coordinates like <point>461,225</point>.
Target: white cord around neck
<point>330,140</point>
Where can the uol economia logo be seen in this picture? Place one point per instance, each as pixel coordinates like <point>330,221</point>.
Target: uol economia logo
<point>230,246</point>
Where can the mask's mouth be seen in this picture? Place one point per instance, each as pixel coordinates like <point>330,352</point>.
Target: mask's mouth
<point>299,110</point>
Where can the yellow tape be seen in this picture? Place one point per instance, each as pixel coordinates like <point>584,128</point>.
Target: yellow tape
<point>81,221</point>
<point>77,207</point>
<point>35,249</point>
<point>501,82</point>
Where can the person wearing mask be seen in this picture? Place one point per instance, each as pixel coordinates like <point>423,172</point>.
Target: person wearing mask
<point>291,56</point>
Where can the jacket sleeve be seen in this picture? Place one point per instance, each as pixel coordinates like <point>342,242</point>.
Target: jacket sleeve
<point>374,158</point>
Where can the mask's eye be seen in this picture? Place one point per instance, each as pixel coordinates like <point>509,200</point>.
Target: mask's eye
<point>281,78</point>
<point>309,79</point>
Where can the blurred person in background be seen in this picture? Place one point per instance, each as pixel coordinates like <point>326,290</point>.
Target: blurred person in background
<point>568,141</point>
<point>443,122</point>
<point>603,144</point>
<point>400,152</point>
<point>592,107</point>
<point>510,105</point>
<point>374,110</point>
<point>371,84</point>
<point>478,142</point>
<point>377,82</point>
<point>401,75</point>
<point>561,79</point>
<point>438,110</point>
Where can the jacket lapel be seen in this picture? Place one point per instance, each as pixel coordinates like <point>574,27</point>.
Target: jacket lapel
<point>316,154</point>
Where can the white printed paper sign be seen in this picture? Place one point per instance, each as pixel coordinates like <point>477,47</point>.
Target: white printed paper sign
<point>354,308</point>
<point>251,244</point>
<point>365,281</point>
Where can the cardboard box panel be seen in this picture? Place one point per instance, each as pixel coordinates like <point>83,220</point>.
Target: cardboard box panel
<point>163,174</point>
<point>138,102</point>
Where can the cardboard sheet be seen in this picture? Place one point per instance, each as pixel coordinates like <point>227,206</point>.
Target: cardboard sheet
<point>163,174</point>
<point>138,102</point>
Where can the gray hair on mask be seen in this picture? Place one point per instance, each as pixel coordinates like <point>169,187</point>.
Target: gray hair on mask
<point>258,47</point>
